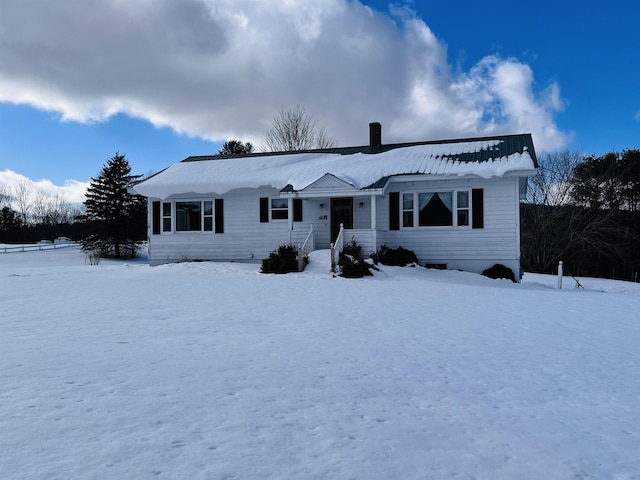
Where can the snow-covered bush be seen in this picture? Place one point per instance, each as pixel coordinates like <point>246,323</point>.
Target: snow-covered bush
<point>351,262</point>
<point>499,271</point>
<point>398,257</point>
<point>282,260</point>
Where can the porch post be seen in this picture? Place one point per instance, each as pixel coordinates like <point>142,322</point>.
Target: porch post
<point>290,213</point>
<point>373,212</point>
<point>374,226</point>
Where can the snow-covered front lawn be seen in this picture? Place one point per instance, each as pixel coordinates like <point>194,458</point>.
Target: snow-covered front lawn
<point>215,371</point>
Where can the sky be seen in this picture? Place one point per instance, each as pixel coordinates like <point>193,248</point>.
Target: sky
<point>160,81</point>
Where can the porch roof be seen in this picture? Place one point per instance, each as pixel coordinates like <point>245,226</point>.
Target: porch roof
<point>365,168</point>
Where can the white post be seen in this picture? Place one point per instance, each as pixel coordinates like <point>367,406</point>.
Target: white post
<point>560,275</point>
<point>290,214</point>
<point>333,264</point>
<point>373,212</point>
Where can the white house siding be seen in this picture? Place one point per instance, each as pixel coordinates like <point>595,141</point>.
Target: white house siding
<point>462,248</point>
<point>313,215</point>
<point>245,238</point>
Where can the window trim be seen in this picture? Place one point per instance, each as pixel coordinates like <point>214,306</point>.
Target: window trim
<point>454,209</point>
<point>172,218</point>
<point>407,210</point>
<point>459,209</point>
<point>167,217</point>
<point>267,210</point>
<point>273,210</point>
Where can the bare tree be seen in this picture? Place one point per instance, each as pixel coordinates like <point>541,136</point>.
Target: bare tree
<point>52,210</point>
<point>294,130</point>
<point>323,140</point>
<point>574,214</point>
<point>5,197</point>
<point>22,199</point>
<point>552,184</point>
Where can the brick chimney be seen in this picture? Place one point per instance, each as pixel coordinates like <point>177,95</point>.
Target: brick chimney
<point>375,134</point>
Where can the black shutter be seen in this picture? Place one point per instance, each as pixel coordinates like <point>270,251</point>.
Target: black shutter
<point>264,209</point>
<point>394,211</point>
<point>219,215</point>
<point>155,229</point>
<point>297,210</point>
<point>477,205</point>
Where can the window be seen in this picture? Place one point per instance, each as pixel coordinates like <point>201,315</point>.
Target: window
<point>279,209</point>
<point>194,216</point>
<point>435,209</point>
<point>166,217</point>
<point>188,216</point>
<point>191,216</point>
<point>208,216</point>
<point>407,210</point>
<point>462,206</point>
<point>439,209</point>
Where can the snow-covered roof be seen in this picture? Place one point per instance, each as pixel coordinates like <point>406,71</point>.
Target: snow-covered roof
<point>359,166</point>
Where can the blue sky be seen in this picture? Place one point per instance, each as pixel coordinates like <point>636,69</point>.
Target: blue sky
<point>160,81</point>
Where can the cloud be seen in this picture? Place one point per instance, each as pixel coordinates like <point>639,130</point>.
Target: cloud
<point>222,69</point>
<point>72,191</point>
<point>637,116</point>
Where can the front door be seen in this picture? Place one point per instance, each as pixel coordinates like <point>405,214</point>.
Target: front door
<point>341,213</point>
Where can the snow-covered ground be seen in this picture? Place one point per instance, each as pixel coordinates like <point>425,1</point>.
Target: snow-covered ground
<point>214,371</point>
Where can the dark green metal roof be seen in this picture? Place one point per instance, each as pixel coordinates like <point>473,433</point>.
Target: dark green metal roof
<point>378,184</point>
<point>509,145</point>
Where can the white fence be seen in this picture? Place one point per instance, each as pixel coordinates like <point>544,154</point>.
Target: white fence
<point>32,247</point>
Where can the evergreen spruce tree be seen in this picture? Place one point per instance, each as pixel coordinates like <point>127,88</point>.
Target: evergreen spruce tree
<point>109,202</point>
<point>235,147</point>
<point>10,225</point>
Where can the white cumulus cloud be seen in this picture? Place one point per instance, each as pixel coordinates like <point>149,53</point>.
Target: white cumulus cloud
<point>72,191</point>
<point>222,69</point>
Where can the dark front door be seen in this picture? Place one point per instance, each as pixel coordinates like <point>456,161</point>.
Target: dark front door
<point>341,212</point>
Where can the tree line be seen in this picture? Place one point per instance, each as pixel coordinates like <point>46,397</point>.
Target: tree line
<point>27,217</point>
<point>112,221</point>
<point>584,211</point>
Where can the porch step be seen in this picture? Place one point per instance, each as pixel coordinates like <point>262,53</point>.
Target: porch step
<point>319,262</point>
